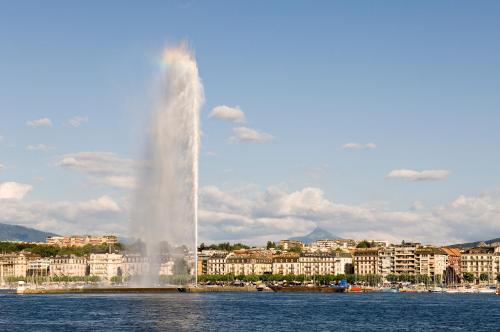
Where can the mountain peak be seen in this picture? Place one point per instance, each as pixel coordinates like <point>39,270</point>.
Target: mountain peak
<point>317,234</point>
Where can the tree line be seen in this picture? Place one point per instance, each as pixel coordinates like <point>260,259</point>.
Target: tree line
<point>52,251</point>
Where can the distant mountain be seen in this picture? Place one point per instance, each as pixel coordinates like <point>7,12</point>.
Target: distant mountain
<point>476,244</point>
<point>21,233</point>
<point>316,234</point>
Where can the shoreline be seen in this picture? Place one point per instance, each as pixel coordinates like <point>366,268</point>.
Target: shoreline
<point>135,290</point>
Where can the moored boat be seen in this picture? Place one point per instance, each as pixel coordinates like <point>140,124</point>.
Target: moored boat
<point>389,290</point>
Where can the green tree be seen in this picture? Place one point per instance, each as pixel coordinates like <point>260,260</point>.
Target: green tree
<point>296,249</point>
<point>392,278</point>
<point>270,244</point>
<point>468,277</point>
<point>483,276</point>
<point>364,244</point>
<point>498,277</point>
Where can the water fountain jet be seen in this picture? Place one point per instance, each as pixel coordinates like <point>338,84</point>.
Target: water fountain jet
<point>166,199</point>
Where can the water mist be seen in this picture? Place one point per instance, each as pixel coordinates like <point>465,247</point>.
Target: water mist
<point>166,204</point>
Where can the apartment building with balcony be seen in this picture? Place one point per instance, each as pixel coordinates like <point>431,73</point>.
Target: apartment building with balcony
<point>365,260</point>
<point>71,265</point>
<point>317,263</point>
<point>248,263</point>
<point>286,264</point>
<point>482,260</point>
<point>105,266</point>
<point>386,261</point>
<point>216,264</point>
<point>404,258</point>
<point>430,261</point>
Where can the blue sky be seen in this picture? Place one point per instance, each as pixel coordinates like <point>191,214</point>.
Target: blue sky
<point>418,80</point>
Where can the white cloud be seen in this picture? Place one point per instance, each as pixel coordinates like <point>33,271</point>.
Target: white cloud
<point>278,213</point>
<point>359,146</point>
<point>242,134</point>
<point>1,167</point>
<point>418,175</point>
<point>103,168</point>
<point>124,182</point>
<point>228,113</point>
<point>96,163</point>
<point>40,122</point>
<point>14,190</point>
<point>39,147</point>
<point>77,121</point>
<point>95,216</point>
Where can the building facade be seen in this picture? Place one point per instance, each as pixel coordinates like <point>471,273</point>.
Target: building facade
<point>365,261</point>
<point>81,240</point>
<point>216,264</point>
<point>71,266</point>
<point>105,266</point>
<point>286,264</point>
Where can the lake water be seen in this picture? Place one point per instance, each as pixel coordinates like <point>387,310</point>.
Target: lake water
<point>250,312</point>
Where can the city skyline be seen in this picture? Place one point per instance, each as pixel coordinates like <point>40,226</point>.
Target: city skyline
<point>377,122</point>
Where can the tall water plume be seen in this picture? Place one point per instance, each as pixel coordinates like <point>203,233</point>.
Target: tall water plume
<point>165,214</point>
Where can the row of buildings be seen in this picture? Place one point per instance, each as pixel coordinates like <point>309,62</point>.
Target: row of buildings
<point>344,257</point>
<point>81,240</point>
<point>104,266</point>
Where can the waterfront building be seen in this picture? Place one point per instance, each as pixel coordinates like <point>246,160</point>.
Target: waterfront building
<point>386,261</point>
<point>81,240</point>
<point>15,265</point>
<point>289,244</point>
<point>430,261</point>
<point>216,264</point>
<point>247,263</point>
<point>365,261</point>
<point>404,258</point>
<point>481,260</point>
<point>8,267</point>
<point>202,261</point>
<point>343,262</point>
<point>72,266</point>
<point>317,263</point>
<point>453,272</point>
<point>105,266</point>
<point>135,264</point>
<point>39,267</point>
<point>286,264</point>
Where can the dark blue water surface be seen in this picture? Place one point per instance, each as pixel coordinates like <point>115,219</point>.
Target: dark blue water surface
<point>250,312</point>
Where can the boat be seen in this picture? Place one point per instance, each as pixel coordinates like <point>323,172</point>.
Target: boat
<point>436,290</point>
<point>260,287</point>
<point>389,290</point>
<point>355,289</point>
<point>487,290</point>
<point>452,291</point>
<point>308,289</point>
<point>21,287</point>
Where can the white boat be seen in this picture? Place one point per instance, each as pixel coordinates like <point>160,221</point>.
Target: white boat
<point>21,287</point>
<point>436,290</point>
<point>452,291</point>
<point>486,290</point>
